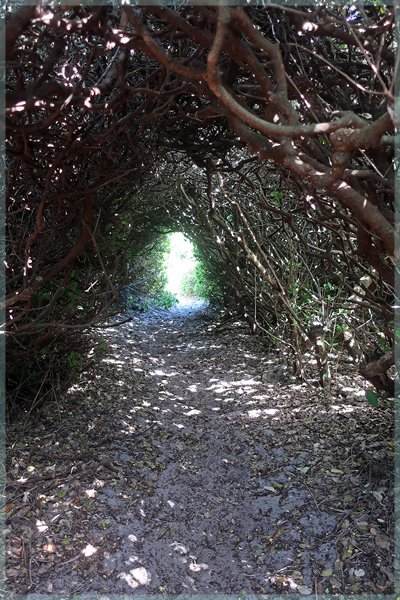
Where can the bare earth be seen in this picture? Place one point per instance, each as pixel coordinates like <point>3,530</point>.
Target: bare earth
<point>186,459</point>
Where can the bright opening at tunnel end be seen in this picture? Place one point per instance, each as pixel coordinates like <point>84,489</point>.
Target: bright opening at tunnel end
<point>180,266</point>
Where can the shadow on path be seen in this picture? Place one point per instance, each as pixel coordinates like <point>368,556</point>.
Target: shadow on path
<point>181,463</point>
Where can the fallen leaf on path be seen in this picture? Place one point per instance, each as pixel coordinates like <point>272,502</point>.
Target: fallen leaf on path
<point>304,590</point>
<point>327,573</point>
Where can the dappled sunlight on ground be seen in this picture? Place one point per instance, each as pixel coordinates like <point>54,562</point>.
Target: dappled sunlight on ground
<point>186,461</point>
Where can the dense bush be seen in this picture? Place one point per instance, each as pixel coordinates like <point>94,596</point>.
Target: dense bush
<point>200,283</point>
<point>265,134</point>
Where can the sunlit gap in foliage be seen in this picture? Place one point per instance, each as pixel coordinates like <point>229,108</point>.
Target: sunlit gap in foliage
<point>180,266</point>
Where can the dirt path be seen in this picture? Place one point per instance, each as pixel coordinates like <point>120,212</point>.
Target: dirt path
<point>185,461</point>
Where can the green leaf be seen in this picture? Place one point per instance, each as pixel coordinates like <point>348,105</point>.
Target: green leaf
<point>105,524</point>
<point>372,398</point>
<point>327,573</point>
<point>278,486</point>
<point>336,471</point>
<point>303,469</point>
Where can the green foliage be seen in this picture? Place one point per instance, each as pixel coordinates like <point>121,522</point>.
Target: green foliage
<point>372,398</point>
<point>147,274</point>
<point>101,348</point>
<point>34,382</point>
<point>276,197</point>
<point>382,343</point>
<point>140,305</point>
<point>72,294</point>
<point>165,299</point>
<point>73,360</point>
<point>63,298</point>
<point>199,282</point>
<point>206,280</point>
<point>42,297</point>
<point>189,284</point>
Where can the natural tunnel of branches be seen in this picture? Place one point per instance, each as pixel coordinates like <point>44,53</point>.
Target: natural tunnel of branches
<point>266,135</point>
